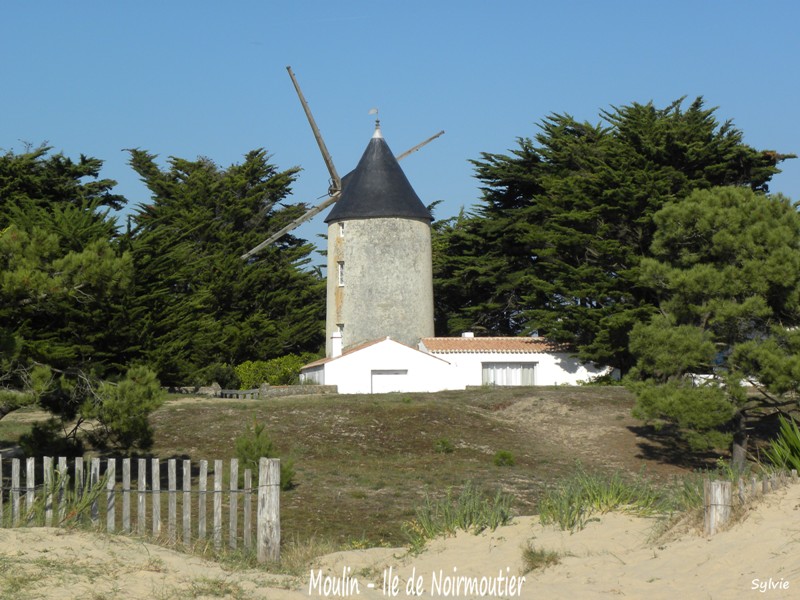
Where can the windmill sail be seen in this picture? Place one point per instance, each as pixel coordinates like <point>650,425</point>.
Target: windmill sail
<point>337,183</point>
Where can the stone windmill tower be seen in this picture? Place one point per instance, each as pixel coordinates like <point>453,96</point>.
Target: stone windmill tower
<point>379,275</point>
<point>380,280</point>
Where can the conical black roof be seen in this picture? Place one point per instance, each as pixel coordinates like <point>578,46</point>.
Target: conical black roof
<point>377,188</point>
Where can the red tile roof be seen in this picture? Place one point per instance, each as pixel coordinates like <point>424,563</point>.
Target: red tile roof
<point>512,345</point>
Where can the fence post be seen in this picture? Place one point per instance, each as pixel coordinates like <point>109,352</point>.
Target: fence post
<point>268,528</point>
<point>30,484</point>
<point>94,479</point>
<point>248,509</point>
<point>78,477</point>
<point>47,475</point>
<point>201,500</point>
<point>62,488</point>
<point>217,504</point>
<point>717,499</point>
<point>15,483</point>
<point>126,495</point>
<point>155,476</point>
<point>141,484</point>
<point>111,503</point>
<point>172,511</point>
<point>187,502</point>
<point>234,505</point>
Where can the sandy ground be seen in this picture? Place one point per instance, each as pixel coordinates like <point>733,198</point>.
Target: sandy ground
<point>757,556</point>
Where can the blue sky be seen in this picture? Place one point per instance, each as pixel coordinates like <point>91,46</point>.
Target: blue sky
<point>198,78</point>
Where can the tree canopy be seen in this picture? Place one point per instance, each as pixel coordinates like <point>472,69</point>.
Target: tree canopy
<point>200,308</point>
<point>91,318</point>
<point>725,268</point>
<point>556,242</point>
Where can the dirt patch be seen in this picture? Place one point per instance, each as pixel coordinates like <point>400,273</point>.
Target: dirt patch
<point>595,429</point>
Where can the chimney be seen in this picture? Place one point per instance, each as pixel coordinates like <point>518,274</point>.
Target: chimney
<point>468,334</point>
<point>336,344</point>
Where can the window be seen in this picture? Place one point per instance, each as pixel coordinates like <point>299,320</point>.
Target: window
<point>341,229</point>
<point>508,373</point>
<point>341,272</point>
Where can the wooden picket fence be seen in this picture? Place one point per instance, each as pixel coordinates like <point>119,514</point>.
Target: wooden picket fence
<point>719,499</point>
<point>60,490</point>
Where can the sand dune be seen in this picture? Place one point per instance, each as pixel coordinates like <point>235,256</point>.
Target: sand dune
<point>615,556</point>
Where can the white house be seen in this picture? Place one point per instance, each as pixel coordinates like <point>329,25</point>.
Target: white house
<point>378,367</point>
<point>510,361</point>
<point>448,364</point>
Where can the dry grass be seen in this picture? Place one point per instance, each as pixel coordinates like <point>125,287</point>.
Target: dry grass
<point>364,463</point>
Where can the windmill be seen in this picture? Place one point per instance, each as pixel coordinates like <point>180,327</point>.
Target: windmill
<point>336,183</point>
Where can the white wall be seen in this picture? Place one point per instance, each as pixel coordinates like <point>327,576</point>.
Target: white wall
<point>551,368</point>
<point>390,366</point>
<point>353,373</point>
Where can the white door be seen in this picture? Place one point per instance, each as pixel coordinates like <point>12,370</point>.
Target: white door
<point>389,380</point>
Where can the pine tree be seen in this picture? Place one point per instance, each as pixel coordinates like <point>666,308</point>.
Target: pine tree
<point>725,267</point>
<point>565,219</point>
<point>200,307</point>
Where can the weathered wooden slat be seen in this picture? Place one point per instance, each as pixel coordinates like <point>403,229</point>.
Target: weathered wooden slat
<point>141,481</point>
<point>233,504</point>
<point>202,485</point>
<point>247,532</point>
<point>62,488</point>
<point>217,504</point>
<point>718,501</point>
<point>47,476</point>
<point>15,483</point>
<point>94,480</point>
<point>111,504</point>
<point>155,476</point>
<point>187,503</point>
<point>126,495</point>
<point>268,533</point>
<point>78,487</point>
<point>172,504</point>
<point>30,485</point>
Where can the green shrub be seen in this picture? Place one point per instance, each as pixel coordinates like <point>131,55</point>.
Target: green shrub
<point>784,450</point>
<point>221,373</point>
<point>443,446</point>
<point>123,409</point>
<point>504,458</point>
<point>255,444</point>
<point>284,370</point>
<point>473,510</point>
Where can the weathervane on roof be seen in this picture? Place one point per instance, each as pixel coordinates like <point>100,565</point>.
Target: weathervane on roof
<point>374,111</point>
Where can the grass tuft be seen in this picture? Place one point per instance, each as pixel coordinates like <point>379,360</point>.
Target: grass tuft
<point>574,500</point>
<point>472,510</point>
<point>534,559</point>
